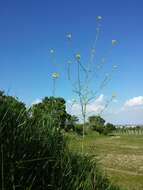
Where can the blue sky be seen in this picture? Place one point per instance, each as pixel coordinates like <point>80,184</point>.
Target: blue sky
<point>29,28</point>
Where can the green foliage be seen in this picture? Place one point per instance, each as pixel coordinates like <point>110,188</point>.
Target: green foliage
<point>79,129</point>
<point>51,111</point>
<point>109,128</point>
<point>71,122</point>
<point>36,157</point>
<point>96,123</point>
<point>85,175</point>
<point>12,112</point>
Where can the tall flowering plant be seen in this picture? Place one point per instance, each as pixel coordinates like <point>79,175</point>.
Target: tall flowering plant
<point>86,73</point>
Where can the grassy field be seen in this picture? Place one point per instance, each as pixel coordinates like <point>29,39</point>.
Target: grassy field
<point>121,157</point>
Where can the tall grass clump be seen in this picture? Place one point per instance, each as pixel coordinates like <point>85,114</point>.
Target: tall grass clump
<point>35,156</point>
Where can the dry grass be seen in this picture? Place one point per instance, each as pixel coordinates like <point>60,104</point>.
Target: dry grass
<point>121,157</point>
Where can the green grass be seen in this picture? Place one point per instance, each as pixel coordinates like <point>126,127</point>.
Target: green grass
<point>120,156</point>
<point>34,154</point>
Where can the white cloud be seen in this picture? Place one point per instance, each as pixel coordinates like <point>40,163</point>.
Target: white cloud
<point>38,100</point>
<point>126,115</point>
<point>130,113</point>
<point>136,101</point>
<point>95,107</point>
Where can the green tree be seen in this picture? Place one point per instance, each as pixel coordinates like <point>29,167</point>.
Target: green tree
<point>96,123</point>
<point>13,117</point>
<point>51,111</point>
<point>71,122</point>
<point>11,109</point>
<point>109,127</point>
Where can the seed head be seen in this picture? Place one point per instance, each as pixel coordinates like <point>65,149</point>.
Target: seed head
<point>99,18</point>
<point>69,36</point>
<point>52,50</point>
<point>78,56</point>
<point>55,75</point>
<point>114,42</point>
<point>114,95</point>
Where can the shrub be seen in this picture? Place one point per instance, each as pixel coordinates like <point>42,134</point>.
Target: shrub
<point>35,156</point>
<point>109,128</point>
<point>96,123</point>
<point>71,122</point>
<point>51,111</point>
<point>79,129</point>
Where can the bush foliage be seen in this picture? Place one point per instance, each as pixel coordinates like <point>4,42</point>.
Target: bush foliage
<point>34,155</point>
<point>97,123</point>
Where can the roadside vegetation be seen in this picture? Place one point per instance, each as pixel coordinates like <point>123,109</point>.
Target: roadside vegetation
<point>34,152</point>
